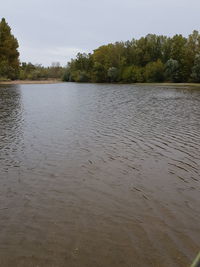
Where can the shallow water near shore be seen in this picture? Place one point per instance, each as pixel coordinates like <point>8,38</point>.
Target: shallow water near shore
<point>99,175</point>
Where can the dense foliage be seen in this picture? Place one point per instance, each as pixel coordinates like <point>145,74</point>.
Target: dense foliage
<point>9,55</point>
<point>150,59</point>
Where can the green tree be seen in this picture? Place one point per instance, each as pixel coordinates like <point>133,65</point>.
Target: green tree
<point>9,55</point>
<point>172,70</point>
<point>113,74</point>
<point>133,74</point>
<point>179,53</point>
<point>127,75</point>
<point>66,75</point>
<point>196,69</point>
<point>99,73</point>
<point>154,71</point>
<point>81,76</point>
<point>192,49</point>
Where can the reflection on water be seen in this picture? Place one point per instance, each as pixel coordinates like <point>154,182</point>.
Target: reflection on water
<point>99,175</point>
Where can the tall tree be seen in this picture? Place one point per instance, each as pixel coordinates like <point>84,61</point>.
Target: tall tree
<point>9,55</point>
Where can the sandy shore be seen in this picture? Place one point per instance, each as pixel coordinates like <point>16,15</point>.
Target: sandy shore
<point>52,81</point>
<point>30,82</point>
<point>172,84</point>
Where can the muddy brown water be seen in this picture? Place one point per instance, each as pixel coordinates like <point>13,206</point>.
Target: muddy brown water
<point>99,175</point>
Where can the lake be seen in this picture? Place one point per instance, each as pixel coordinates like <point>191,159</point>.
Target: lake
<point>99,175</point>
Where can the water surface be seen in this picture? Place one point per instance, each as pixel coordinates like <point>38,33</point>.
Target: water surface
<point>99,175</point>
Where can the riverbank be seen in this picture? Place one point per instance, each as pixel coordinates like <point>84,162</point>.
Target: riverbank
<point>52,81</point>
<point>172,84</point>
<point>31,81</point>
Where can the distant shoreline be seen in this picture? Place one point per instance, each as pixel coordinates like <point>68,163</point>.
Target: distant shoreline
<point>54,81</point>
<point>31,82</point>
<point>172,84</point>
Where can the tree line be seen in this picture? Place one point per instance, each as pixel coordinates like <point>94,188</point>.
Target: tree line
<point>153,58</point>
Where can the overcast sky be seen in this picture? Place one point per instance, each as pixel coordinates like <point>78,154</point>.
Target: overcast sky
<point>55,30</point>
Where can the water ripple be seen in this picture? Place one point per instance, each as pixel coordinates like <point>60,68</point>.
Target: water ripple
<point>99,175</point>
